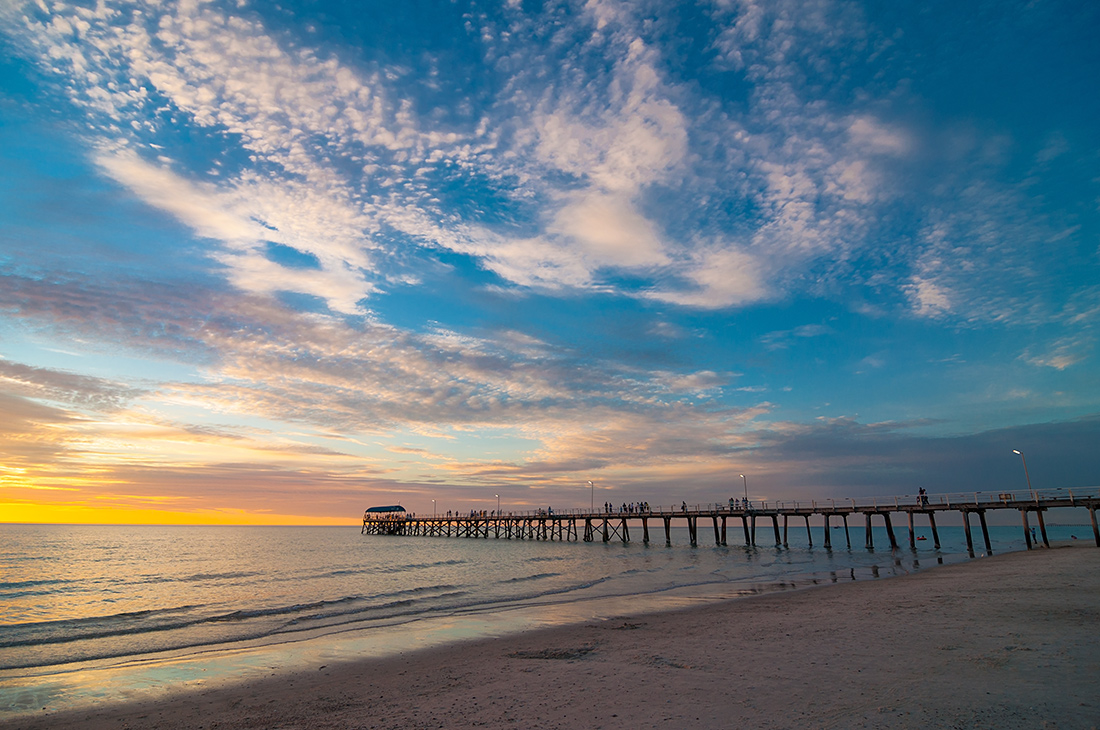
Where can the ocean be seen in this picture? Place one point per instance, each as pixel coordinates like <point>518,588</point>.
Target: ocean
<point>106,613</point>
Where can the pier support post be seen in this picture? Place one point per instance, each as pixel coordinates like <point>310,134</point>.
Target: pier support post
<point>1095,531</point>
<point>870,541</point>
<point>692,532</point>
<point>890,531</point>
<point>645,530</point>
<point>668,531</point>
<point>625,531</point>
<point>717,535</point>
<point>912,535</point>
<point>775,527</point>
<point>809,535</point>
<point>588,536</point>
<point>1042,527</point>
<point>847,536</point>
<point>745,524</point>
<point>723,529</point>
<point>966,527</point>
<point>935,532</point>
<point>828,537</point>
<point>785,530</point>
<point>1027,530</point>
<point>754,530</point>
<point>606,536</point>
<point>985,532</point>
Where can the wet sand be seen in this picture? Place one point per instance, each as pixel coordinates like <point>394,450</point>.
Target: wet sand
<point>1004,642</point>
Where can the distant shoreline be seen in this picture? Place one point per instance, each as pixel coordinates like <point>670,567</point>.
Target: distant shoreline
<point>1006,641</point>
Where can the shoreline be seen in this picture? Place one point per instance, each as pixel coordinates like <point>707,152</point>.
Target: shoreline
<point>1001,641</point>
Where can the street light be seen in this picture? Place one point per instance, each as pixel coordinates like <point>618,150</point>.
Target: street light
<point>433,508</point>
<point>1017,451</point>
<point>746,482</point>
<point>498,504</point>
<point>592,506</point>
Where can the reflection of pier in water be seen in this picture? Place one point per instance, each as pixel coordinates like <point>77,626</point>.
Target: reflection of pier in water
<point>571,525</point>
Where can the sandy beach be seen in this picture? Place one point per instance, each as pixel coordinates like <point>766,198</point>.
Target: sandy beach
<point>1008,641</point>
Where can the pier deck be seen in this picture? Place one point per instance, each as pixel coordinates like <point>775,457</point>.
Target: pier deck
<point>605,526</point>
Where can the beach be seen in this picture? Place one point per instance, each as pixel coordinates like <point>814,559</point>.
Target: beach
<point>1007,641</point>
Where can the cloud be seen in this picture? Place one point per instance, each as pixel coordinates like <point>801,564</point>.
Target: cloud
<point>782,339</point>
<point>609,232</point>
<point>1060,355</point>
<point>67,388</point>
<point>636,137</point>
<point>928,299</point>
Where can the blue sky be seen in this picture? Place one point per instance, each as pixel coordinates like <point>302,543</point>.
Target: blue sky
<point>286,260</point>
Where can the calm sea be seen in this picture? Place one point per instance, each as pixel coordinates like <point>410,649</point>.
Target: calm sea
<point>93,613</point>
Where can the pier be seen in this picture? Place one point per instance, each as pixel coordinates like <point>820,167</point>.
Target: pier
<point>608,525</point>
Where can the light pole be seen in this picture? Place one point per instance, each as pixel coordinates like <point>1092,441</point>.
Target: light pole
<point>1026,476</point>
<point>433,508</point>
<point>498,504</point>
<point>592,506</point>
<point>746,483</point>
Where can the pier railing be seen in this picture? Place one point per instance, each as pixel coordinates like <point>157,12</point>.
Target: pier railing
<point>896,503</point>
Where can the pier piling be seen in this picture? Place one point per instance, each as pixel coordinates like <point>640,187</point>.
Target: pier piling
<point>890,531</point>
<point>1042,527</point>
<point>985,532</point>
<point>966,527</point>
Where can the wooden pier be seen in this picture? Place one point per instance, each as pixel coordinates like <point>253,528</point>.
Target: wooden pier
<point>608,525</point>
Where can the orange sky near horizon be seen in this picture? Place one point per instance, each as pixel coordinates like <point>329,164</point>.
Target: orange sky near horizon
<point>76,513</point>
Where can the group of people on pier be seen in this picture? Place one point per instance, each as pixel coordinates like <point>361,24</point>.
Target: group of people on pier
<point>626,507</point>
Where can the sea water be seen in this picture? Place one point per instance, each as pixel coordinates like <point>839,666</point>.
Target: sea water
<point>94,613</point>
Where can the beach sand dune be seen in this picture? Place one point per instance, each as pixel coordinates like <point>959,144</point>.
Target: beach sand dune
<point>1004,642</point>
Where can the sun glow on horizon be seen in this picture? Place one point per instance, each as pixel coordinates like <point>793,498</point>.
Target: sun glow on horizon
<point>83,514</point>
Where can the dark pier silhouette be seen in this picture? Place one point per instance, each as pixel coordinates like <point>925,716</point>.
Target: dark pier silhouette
<point>615,524</point>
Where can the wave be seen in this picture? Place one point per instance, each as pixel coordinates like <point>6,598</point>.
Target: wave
<point>527,578</point>
<point>418,566</point>
<point>15,584</point>
<point>165,620</point>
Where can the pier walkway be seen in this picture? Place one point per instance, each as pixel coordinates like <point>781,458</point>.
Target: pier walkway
<point>605,526</point>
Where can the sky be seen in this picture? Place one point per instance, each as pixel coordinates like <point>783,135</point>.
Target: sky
<point>275,262</point>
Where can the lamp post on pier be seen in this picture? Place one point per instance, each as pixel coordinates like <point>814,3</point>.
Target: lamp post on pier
<point>433,508</point>
<point>498,505</point>
<point>1026,475</point>
<point>592,505</point>
<point>745,481</point>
